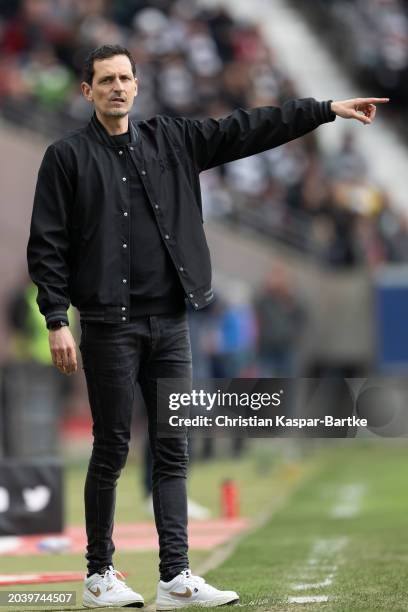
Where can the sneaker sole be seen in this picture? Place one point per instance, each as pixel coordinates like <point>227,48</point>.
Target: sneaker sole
<point>133,604</point>
<point>201,604</point>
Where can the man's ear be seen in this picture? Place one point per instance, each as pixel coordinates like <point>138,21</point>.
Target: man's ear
<point>136,83</point>
<point>87,91</point>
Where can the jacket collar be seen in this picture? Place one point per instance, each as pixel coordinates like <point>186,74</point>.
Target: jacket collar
<point>99,132</point>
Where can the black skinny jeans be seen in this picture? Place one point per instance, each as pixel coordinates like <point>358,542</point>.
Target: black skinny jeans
<point>114,357</point>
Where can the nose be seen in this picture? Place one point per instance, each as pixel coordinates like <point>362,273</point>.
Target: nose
<point>117,85</point>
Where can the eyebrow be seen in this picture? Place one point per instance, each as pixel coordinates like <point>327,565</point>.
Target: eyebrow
<point>110,76</point>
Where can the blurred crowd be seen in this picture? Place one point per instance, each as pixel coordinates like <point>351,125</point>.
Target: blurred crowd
<point>371,36</point>
<point>197,62</point>
<point>245,335</point>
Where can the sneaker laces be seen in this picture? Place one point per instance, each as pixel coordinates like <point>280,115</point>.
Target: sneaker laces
<point>110,577</point>
<point>191,579</point>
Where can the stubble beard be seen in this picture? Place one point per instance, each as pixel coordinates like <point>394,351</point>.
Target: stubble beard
<point>116,113</point>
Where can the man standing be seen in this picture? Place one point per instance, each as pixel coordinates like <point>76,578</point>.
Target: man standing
<point>117,231</point>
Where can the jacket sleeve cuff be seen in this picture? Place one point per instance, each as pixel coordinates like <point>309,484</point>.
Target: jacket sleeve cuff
<point>326,112</point>
<point>57,314</point>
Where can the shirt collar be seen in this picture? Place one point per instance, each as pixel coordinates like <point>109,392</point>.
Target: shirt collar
<point>99,131</point>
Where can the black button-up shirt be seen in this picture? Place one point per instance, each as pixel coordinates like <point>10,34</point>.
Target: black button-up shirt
<point>80,219</point>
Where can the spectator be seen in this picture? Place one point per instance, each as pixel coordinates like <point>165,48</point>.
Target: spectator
<point>281,320</point>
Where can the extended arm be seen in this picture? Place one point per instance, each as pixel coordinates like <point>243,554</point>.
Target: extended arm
<point>247,132</point>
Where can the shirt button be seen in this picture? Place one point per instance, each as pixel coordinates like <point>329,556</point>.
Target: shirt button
<point>195,304</point>
<point>124,179</point>
<point>120,152</point>
<point>125,214</point>
<point>156,206</point>
<point>191,295</point>
<point>124,245</point>
<point>123,307</point>
<point>123,318</point>
<point>124,280</point>
<point>131,148</point>
<point>143,172</point>
<point>166,236</point>
<point>181,269</point>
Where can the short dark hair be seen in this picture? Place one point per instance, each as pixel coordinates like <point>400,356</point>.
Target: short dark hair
<point>101,53</point>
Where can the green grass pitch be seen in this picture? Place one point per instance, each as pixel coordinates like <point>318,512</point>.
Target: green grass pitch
<point>340,531</point>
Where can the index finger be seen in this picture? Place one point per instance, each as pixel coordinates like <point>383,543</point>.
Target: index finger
<point>373,100</point>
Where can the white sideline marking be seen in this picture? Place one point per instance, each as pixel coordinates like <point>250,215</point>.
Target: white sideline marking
<point>324,547</point>
<point>322,557</point>
<point>253,602</point>
<point>328,567</point>
<point>315,585</point>
<point>350,501</point>
<point>309,599</point>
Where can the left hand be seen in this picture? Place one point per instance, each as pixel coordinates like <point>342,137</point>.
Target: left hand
<point>362,109</point>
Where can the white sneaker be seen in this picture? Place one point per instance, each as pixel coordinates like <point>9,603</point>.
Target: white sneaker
<point>188,590</point>
<point>109,591</point>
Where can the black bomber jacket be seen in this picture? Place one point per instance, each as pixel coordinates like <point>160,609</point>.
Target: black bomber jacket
<point>78,250</point>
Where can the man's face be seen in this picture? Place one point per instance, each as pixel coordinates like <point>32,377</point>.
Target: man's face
<point>113,87</point>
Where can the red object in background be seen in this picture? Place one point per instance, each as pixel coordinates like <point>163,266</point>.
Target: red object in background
<point>77,427</point>
<point>229,499</point>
